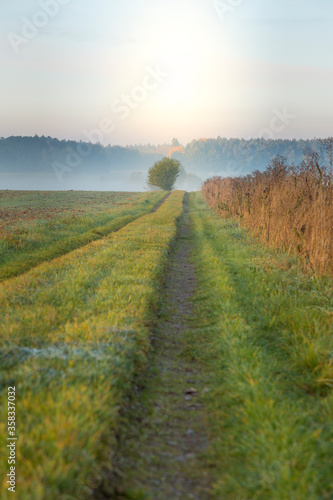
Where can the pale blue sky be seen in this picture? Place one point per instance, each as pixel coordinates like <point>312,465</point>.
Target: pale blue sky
<point>228,68</point>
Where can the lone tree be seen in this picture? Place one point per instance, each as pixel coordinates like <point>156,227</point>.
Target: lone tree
<point>163,174</point>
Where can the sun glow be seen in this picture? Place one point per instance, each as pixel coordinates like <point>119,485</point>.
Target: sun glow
<point>178,48</point>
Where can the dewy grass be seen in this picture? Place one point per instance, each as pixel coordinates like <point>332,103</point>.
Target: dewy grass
<point>41,226</point>
<point>74,332</point>
<point>265,331</point>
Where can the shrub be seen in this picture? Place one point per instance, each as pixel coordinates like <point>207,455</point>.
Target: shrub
<point>163,174</point>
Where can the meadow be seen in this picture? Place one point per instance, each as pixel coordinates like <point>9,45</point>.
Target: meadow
<point>90,340</point>
<point>38,226</point>
<point>74,332</point>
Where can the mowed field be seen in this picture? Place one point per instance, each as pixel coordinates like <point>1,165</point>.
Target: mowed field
<point>104,400</point>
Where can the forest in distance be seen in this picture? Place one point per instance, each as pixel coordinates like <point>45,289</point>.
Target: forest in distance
<point>52,164</point>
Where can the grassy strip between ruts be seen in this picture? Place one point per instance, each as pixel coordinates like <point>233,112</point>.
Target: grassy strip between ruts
<point>74,333</point>
<point>45,240</point>
<point>265,331</point>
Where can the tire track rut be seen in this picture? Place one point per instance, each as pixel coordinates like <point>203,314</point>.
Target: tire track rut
<point>164,436</point>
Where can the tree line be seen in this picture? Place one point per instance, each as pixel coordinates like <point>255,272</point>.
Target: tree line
<point>203,157</point>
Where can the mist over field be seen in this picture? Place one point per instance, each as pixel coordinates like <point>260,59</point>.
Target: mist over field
<point>92,94</point>
<point>44,163</point>
<point>166,251</point>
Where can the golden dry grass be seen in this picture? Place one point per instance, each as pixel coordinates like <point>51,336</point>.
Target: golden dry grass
<point>285,207</point>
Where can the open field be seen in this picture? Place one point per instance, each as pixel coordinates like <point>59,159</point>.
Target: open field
<point>175,358</point>
<point>38,226</point>
<point>73,334</point>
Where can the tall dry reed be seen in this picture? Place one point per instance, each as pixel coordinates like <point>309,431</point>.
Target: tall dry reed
<point>288,207</point>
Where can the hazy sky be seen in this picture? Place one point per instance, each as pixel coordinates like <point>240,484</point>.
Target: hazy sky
<point>149,70</point>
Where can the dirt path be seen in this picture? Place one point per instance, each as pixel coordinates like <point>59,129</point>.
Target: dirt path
<point>165,436</point>
<point>161,203</point>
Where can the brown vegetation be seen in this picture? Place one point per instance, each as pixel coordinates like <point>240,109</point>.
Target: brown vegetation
<point>288,207</point>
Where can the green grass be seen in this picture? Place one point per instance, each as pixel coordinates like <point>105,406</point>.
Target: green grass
<point>74,332</point>
<point>38,226</point>
<point>74,335</point>
<point>265,331</point>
